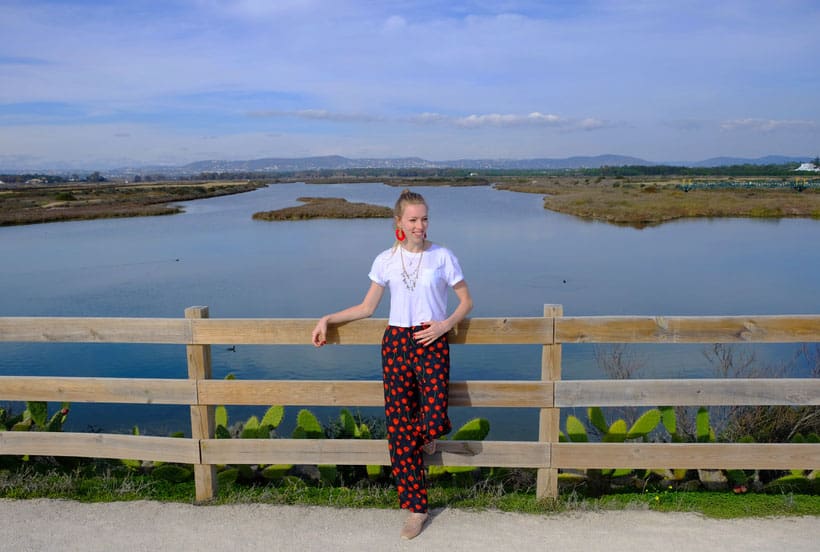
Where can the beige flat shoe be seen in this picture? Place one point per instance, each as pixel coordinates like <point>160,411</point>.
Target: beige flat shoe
<point>429,448</point>
<point>413,525</point>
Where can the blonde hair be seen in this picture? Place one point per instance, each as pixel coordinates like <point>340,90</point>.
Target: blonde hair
<point>405,198</point>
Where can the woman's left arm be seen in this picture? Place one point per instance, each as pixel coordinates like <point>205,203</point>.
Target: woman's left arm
<point>437,328</point>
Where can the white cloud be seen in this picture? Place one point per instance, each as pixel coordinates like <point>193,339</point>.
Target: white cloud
<point>497,119</point>
<point>511,120</point>
<point>591,123</point>
<point>768,125</point>
<point>428,118</point>
<point>487,78</point>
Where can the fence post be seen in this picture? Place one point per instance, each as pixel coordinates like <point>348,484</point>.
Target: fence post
<point>549,418</point>
<point>202,416</point>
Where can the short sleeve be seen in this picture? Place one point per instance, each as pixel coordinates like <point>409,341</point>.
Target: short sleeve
<point>452,270</point>
<point>377,271</point>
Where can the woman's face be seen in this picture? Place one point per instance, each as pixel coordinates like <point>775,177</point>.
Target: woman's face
<point>414,222</point>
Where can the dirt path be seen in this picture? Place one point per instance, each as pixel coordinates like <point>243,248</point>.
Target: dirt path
<point>30,525</point>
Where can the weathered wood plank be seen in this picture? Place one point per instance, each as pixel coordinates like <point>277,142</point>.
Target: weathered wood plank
<point>689,456</point>
<point>529,394</point>
<point>549,417</point>
<point>361,452</point>
<point>202,416</point>
<point>685,392</point>
<point>289,393</point>
<point>518,394</point>
<point>688,329</point>
<point>297,331</point>
<point>103,390</point>
<point>99,445</point>
<point>97,330</point>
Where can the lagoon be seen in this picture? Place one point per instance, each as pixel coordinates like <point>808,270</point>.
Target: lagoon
<point>516,257</point>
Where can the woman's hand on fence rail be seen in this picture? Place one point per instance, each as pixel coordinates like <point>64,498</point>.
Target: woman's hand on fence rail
<point>319,335</point>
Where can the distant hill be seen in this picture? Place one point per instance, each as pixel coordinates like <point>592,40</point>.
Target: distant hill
<point>338,162</point>
<point>283,164</point>
<point>767,160</point>
<point>577,162</point>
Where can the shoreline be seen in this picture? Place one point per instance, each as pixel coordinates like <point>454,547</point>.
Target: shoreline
<point>633,201</point>
<point>63,203</point>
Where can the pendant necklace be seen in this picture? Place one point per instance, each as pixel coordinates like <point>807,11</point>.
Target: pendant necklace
<point>410,279</point>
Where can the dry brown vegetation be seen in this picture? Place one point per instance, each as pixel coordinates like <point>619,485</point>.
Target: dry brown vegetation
<point>646,202</point>
<point>635,201</point>
<point>81,202</point>
<point>326,207</point>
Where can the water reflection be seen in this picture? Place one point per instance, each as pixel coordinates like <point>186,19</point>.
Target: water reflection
<point>516,256</point>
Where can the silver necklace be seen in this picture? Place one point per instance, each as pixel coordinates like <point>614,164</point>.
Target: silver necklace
<point>409,279</point>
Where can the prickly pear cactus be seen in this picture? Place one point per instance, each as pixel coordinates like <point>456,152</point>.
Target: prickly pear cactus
<point>307,426</point>
<point>273,416</point>
<point>173,473</point>
<point>670,422</point>
<point>221,416</point>
<point>597,419</point>
<point>250,430</point>
<point>705,433</point>
<point>616,433</point>
<point>645,425</point>
<point>276,471</point>
<point>576,431</point>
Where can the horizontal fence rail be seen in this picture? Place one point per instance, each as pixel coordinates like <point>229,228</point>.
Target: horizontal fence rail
<point>507,331</point>
<point>688,392</point>
<point>548,395</point>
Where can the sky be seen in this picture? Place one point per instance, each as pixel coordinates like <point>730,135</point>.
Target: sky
<point>112,83</point>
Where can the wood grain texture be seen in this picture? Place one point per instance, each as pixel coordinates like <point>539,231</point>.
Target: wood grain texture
<point>297,331</point>
<point>688,329</point>
<point>99,445</point>
<point>688,456</point>
<point>95,330</point>
<point>348,452</point>
<point>202,416</point>
<point>686,392</point>
<point>367,393</point>
<point>103,390</point>
<point>549,417</point>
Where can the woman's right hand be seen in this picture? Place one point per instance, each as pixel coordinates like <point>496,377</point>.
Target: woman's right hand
<point>319,335</point>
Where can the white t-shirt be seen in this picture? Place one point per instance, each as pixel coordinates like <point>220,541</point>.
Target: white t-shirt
<point>428,301</point>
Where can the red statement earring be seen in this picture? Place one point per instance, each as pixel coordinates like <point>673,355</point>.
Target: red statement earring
<point>400,235</point>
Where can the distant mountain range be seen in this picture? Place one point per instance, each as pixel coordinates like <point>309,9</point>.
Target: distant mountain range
<point>337,162</point>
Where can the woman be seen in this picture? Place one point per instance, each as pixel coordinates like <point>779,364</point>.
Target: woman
<point>415,351</point>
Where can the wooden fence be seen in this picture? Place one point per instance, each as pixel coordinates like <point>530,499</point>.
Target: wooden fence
<point>198,332</point>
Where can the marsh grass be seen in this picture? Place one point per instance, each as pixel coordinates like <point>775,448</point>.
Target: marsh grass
<point>52,204</point>
<point>325,207</point>
<point>651,202</point>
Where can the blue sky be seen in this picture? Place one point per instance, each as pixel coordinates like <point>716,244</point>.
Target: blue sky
<point>96,83</point>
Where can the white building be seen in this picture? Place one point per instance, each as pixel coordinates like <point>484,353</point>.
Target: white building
<point>811,167</point>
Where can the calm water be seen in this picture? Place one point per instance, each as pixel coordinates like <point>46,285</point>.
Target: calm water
<point>516,257</point>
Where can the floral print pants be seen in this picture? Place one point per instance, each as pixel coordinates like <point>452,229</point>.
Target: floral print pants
<point>416,385</point>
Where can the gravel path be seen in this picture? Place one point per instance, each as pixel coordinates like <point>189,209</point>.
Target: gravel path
<point>59,525</point>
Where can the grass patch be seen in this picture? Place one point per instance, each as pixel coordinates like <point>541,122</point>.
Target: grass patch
<point>326,207</point>
<point>37,205</point>
<point>653,201</point>
<point>109,483</point>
